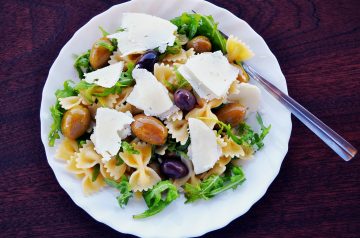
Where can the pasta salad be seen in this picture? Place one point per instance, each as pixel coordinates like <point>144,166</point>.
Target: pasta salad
<point>160,110</point>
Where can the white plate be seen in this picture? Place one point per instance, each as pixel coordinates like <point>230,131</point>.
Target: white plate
<point>177,220</point>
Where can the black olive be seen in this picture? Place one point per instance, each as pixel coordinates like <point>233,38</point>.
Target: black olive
<point>184,99</point>
<point>173,168</point>
<point>147,60</point>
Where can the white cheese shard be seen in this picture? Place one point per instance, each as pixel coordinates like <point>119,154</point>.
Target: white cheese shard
<point>143,32</point>
<point>149,94</point>
<point>204,150</point>
<point>210,74</point>
<point>105,77</point>
<point>247,95</point>
<point>110,127</point>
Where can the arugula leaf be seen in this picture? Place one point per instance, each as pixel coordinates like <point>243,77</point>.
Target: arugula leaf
<point>126,77</point>
<point>91,90</point>
<point>246,136</point>
<point>56,114</point>
<point>67,91</point>
<point>250,137</point>
<point>157,198</point>
<point>57,111</point>
<point>127,147</point>
<point>176,147</point>
<point>174,49</point>
<point>82,64</point>
<point>214,185</point>
<point>195,24</point>
<point>124,188</point>
<point>95,172</point>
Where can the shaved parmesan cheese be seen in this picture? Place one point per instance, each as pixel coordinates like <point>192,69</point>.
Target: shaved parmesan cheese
<point>210,74</point>
<point>105,77</point>
<point>204,150</point>
<point>247,95</point>
<point>111,126</point>
<point>149,94</point>
<point>143,32</point>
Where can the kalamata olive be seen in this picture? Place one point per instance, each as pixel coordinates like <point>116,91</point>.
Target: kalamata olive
<point>147,60</point>
<point>200,44</point>
<point>75,122</point>
<point>99,55</point>
<point>149,129</point>
<point>174,168</point>
<point>232,113</point>
<point>184,99</point>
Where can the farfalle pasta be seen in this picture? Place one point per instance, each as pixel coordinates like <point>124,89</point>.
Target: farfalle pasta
<point>205,114</point>
<point>237,50</point>
<point>156,116</point>
<point>144,177</point>
<point>178,130</point>
<point>231,149</point>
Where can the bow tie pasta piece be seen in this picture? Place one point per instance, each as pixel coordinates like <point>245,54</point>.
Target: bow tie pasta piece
<point>205,112</point>
<point>89,185</point>
<point>231,149</point>
<point>144,177</point>
<point>66,149</point>
<point>108,101</point>
<point>120,101</point>
<point>70,102</point>
<point>179,58</point>
<point>218,169</point>
<point>165,74</point>
<point>178,130</point>
<point>237,50</point>
<point>115,171</point>
<point>116,57</point>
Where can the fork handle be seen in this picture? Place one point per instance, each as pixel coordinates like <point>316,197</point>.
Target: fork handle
<point>343,148</point>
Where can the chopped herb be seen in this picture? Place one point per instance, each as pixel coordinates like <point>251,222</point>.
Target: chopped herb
<point>158,198</point>
<point>124,188</point>
<point>106,45</point>
<point>103,32</point>
<point>82,64</point>
<point>214,185</point>
<point>95,173</point>
<point>120,29</point>
<point>127,147</point>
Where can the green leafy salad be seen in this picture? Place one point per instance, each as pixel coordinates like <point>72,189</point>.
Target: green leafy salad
<point>159,111</point>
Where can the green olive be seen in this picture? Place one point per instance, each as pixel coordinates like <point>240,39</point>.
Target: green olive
<point>75,122</point>
<point>99,55</point>
<point>149,129</point>
<point>200,44</point>
<point>232,113</point>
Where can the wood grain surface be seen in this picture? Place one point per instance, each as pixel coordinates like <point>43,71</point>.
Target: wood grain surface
<point>316,194</point>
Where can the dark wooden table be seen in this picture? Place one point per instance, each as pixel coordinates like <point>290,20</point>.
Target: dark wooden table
<point>315,195</point>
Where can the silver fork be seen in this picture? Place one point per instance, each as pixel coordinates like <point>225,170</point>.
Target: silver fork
<point>343,148</point>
